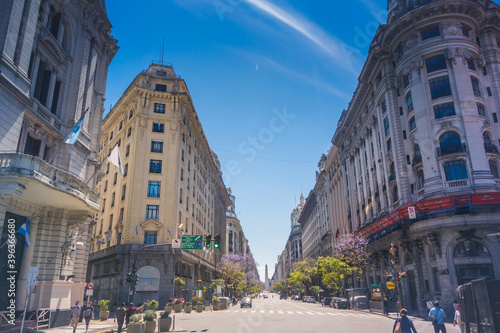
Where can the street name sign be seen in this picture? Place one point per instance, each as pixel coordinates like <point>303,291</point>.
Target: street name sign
<point>192,242</point>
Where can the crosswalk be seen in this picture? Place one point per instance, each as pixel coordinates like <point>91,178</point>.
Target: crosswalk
<point>310,313</point>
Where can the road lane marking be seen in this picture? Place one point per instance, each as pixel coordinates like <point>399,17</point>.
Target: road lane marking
<point>342,314</point>
<point>236,310</point>
<point>363,315</point>
<point>331,314</point>
<point>262,311</point>
<point>243,311</point>
<point>290,312</point>
<point>321,314</point>
<point>280,312</point>
<point>311,313</point>
<point>271,311</point>
<point>253,311</point>
<point>299,312</point>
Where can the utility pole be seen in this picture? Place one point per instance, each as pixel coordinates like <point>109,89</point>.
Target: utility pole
<point>394,251</point>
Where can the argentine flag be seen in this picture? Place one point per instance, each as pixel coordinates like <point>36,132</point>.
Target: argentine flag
<point>73,136</point>
<point>25,231</point>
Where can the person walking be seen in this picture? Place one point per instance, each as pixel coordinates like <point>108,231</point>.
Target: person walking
<point>74,315</point>
<point>386,306</point>
<point>88,314</point>
<point>120,316</point>
<point>403,324</point>
<point>437,315</point>
<point>424,306</point>
<point>130,311</point>
<point>457,320</point>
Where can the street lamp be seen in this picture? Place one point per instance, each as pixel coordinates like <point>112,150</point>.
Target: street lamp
<point>394,251</point>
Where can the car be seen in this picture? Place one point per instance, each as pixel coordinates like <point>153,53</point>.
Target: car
<point>311,299</point>
<point>340,303</point>
<point>265,296</point>
<point>283,296</point>
<point>326,301</point>
<point>305,298</point>
<point>246,301</point>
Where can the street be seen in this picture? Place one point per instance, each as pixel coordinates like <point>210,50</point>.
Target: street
<point>275,315</point>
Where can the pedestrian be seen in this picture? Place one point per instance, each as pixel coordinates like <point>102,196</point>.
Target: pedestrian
<point>437,315</point>
<point>455,305</point>
<point>429,306</point>
<point>386,306</point>
<point>74,315</point>
<point>120,316</point>
<point>170,300</point>
<point>424,306</point>
<point>88,315</point>
<point>130,311</point>
<point>403,324</point>
<point>458,320</point>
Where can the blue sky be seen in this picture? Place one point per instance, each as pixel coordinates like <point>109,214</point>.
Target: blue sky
<point>269,80</point>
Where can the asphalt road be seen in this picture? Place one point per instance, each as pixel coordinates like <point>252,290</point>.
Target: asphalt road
<point>275,315</point>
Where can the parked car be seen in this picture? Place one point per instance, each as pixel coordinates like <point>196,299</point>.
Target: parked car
<point>360,302</point>
<point>340,303</point>
<point>283,296</point>
<point>311,299</point>
<point>265,296</point>
<point>246,301</point>
<point>326,301</point>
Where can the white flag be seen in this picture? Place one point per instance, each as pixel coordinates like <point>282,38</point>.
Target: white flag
<point>115,159</point>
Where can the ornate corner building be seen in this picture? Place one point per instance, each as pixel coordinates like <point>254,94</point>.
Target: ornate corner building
<point>420,135</point>
<point>171,185</point>
<point>53,67</point>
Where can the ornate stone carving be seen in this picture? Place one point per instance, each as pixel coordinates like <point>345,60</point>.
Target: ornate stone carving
<point>411,41</point>
<point>414,64</point>
<point>481,62</point>
<point>454,53</point>
<point>454,28</point>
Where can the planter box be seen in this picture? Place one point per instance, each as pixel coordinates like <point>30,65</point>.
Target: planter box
<point>135,328</point>
<point>178,308</point>
<point>216,307</point>
<point>150,327</point>
<point>165,324</point>
<point>188,308</point>
<point>168,308</point>
<point>199,308</point>
<point>104,315</point>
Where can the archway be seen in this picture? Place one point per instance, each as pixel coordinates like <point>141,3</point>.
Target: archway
<point>148,285</point>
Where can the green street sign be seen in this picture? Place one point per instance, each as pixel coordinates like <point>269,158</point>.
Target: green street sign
<point>197,288</point>
<point>191,242</point>
<point>375,285</point>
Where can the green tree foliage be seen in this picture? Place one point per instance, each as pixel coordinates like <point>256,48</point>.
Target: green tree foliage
<point>302,274</point>
<point>333,272</point>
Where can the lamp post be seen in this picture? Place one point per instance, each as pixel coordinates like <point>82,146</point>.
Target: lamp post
<point>394,251</point>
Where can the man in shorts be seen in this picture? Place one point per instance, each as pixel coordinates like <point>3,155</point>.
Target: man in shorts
<point>88,314</point>
<point>74,315</point>
<point>120,316</point>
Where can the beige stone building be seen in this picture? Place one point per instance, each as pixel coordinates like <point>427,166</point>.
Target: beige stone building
<point>53,66</point>
<point>171,185</point>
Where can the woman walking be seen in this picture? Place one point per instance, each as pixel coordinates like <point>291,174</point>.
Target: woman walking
<point>403,324</point>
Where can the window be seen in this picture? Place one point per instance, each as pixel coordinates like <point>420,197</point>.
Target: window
<point>42,83</point>
<point>373,149</point>
<point>127,150</point>
<point>409,102</point>
<point>378,78</point>
<point>54,22</point>
<point>55,97</point>
<point>406,80</point>
<point>475,86</point>
<point>495,118</point>
<point>121,126</point>
<point>154,189</point>
<point>444,110</point>
<point>386,125</point>
<point>125,170</point>
<point>480,109</point>
<point>155,166</point>
<point>124,191</point>
<point>120,217</point>
<point>435,63</point>
<point>107,168</point>
<point>152,212</point>
<point>440,86</point>
<point>130,114</point>
<point>110,225</point>
<point>404,135</point>
<point>488,89</point>
<point>389,145</point>
<point>115,178</point>
<point>412,124</point>
<point>150,237</point>
<point>435,277</point>
<point>119,142</point>
<point>180,197</point>
<point>158,127</point>
<point>494,170</point>
<point>111,136</point>
<point>455,170</point>
<point>161,87</point>
<point>159,108</point>
<point>129,132</point>
<point>383,105</point>
<point>182,174</point>
<point>105,186</point>
<point>32,146</point>
<point>430,33</point>
<point>156,146</point>
<point>113,199</point>
<point>420,179</point>
<point>103,205</point>
<point>450,143</point>
<point>470,64</point>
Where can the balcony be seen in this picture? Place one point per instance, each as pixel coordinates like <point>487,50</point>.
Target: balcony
<point>452,150</point>
<point>392,177</point>
<point>417,159</point>
<point>491,148</point>
<point>43,184</point>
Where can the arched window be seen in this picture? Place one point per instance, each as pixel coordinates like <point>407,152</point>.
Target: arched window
<point>486,138</point>
<point>494,169</point>
<point>470,248</point>
<point>417,156</point>
<point>450,143</point>
<point>420,179</point>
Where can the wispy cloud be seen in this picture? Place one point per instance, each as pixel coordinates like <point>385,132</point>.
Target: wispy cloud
<point>333,47</point>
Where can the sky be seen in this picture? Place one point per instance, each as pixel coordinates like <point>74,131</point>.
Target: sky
<point>269,80</point>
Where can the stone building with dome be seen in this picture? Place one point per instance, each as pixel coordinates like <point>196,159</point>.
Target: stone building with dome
<point>418,148</point>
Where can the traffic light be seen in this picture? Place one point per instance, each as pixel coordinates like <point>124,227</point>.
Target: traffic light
<point>130,277</point>
<point>216,241</point>
<point>208,239</point>
<point>136,279</point>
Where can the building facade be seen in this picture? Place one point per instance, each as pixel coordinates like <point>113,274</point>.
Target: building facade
<point>171,185</point>
<point>53,69</point>
<point>236,241</point>
<point>421,132</point>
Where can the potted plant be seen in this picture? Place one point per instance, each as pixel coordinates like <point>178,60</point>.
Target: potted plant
<point>164,322</point>
<point>168,307</point>
<point>152,305</point>
<point>103,309</point>
<point>178,305</point>
<point>215,303</point>
<point>199,306</point>
<point>150,318</point>
<point>135,324</point>
<point>189,307</point>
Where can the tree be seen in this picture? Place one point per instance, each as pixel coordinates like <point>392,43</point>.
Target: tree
<point>302,274</point>
<point>179,283</point>
<point>353,250</point>
<point>231,270</point>
<point>333,272</point>
<point>280,286</point>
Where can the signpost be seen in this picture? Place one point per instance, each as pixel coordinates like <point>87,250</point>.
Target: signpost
<point>90,291</point>
<point>30,286</point>
<point>176,243</point>
<point>192,242</point>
